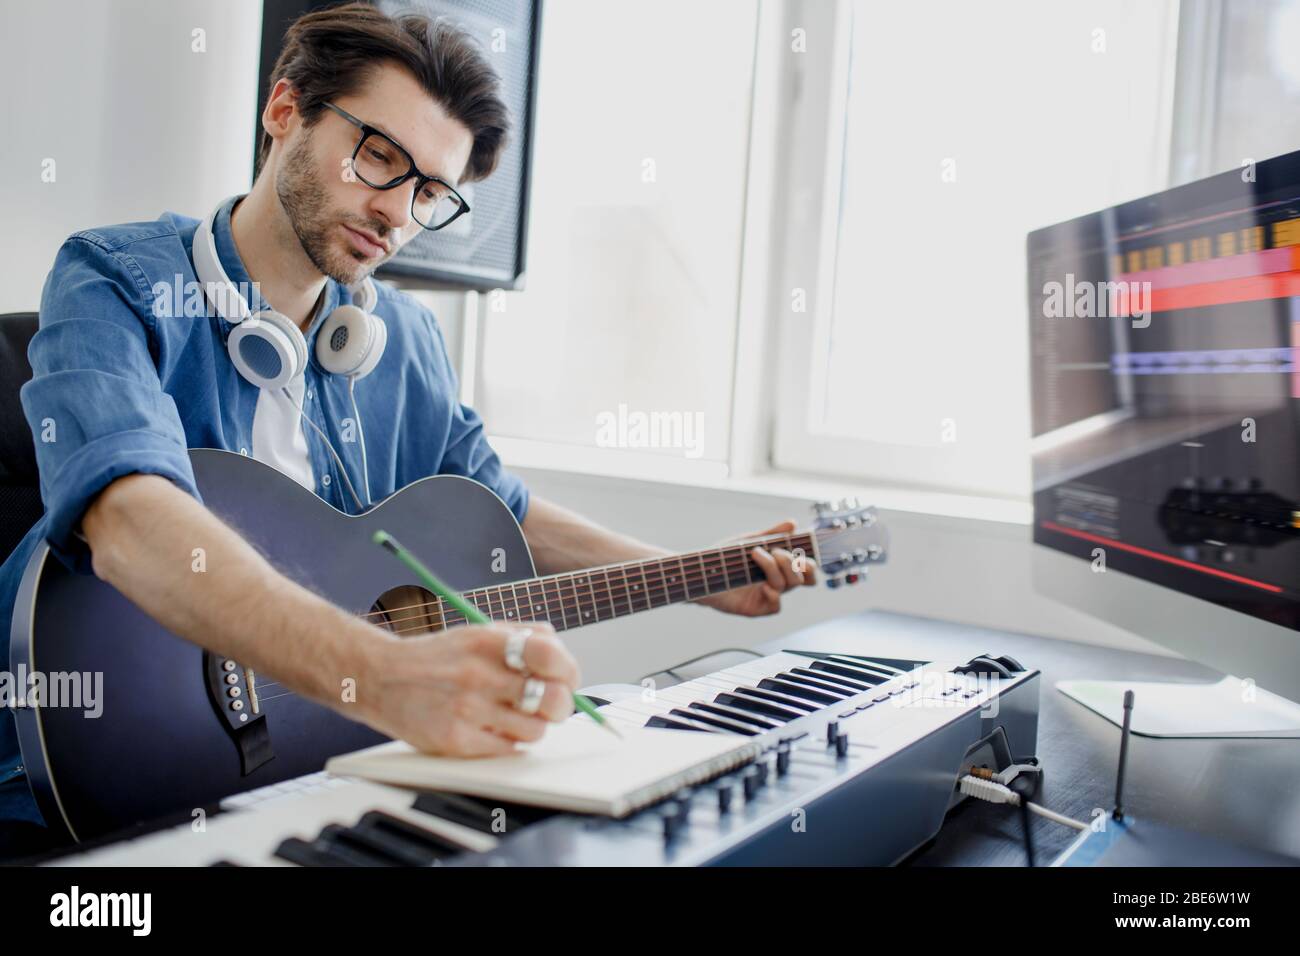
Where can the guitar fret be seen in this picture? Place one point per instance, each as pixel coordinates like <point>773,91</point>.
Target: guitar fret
<point>645,587</point>
<point>585,613</point>
<point>559,593</point>
<point>535,606</point>
<point>597,599</point>
<point>611,592</point>
<point>682,581</point>
<point>628,589</point>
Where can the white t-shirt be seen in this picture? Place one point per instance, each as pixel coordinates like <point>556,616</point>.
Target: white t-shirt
<point>278,438</point>
<point>278,430</point>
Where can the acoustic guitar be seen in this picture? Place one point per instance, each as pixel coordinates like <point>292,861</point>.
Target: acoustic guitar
<point>179,728</point>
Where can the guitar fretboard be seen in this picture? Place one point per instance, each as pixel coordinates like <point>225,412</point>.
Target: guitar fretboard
<point>600,594</point>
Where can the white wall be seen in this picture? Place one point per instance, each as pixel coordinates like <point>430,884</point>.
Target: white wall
<point>137,123</point>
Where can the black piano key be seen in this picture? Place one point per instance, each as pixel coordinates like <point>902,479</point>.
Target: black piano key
<point>406,842</point>
<point>880,665</point>
<point>841,691</point>
<point>744,716</point>
<point>901,665</point>
<point>678,723</point>
<point>758,706</point>
<point>871,677</point>
<point>479,814</point>
<point>722,723</point>
<point>781,697</point>
<point>802,691</point>
<point>313,854</point>
<point>855,685</point>
<point>364,844</point>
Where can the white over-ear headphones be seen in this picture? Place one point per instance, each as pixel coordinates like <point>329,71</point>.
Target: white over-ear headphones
<point>268,348</point>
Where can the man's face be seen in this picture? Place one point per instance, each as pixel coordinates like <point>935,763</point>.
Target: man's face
<point>347,228</point>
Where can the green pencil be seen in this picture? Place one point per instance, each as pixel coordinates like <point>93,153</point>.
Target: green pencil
<point>472,614</point>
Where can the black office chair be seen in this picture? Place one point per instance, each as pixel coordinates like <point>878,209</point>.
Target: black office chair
<point>20,493</point>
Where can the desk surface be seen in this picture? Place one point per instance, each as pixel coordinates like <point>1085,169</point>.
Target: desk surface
<point>1241,791</point>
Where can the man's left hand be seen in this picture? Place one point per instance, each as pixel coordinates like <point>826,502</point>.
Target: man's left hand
<point>782,571</point>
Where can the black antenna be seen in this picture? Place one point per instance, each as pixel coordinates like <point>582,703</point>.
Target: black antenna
<point>1118,812</point>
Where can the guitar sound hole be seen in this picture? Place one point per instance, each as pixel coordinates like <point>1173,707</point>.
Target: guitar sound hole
<point>407,610</point>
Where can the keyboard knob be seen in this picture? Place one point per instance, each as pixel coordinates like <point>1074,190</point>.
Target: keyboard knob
<point>832,731</point>
<point>683,805</point>
<point>783,760</point>
<point>725,792</point>
<point>752,783</point>
<point>670,825</point>
<point>842,745</point>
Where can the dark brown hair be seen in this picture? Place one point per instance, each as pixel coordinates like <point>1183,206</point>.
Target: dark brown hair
<point>333,52</point>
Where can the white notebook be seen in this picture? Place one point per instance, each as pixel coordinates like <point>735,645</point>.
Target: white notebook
<point>577,766</point>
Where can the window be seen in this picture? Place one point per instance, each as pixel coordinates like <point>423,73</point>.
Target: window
<point>1238,85</point>
<point>625,334</point>
<point>948,131</point>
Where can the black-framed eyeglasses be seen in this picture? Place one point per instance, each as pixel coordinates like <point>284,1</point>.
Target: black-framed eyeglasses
<point>381,163</point>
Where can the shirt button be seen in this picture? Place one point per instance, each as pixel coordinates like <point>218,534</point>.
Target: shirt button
<point>325,481</point>
<point>309,393</point>
<point>243,451</point>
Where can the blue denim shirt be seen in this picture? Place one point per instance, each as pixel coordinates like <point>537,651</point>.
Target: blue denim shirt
<point>126,390</point>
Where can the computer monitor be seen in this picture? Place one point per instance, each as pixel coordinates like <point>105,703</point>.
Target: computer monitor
<point>1165,382</point>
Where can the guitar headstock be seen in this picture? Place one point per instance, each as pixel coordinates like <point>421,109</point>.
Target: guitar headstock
<point>850,537</point>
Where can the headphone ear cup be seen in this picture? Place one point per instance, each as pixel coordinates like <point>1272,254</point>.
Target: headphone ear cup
<point>379,341</point>
<point>350,342</point>
<point>268,350</point>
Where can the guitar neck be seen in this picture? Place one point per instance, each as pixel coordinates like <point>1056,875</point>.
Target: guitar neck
<point>615,590</point>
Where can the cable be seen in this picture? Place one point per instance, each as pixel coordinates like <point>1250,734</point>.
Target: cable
<point>724,650</point>
<point>991,791</point>
<point>342,470</point>
<point>361,435</point>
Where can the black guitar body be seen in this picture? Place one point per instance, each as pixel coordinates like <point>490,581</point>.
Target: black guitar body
<point>166,742</point>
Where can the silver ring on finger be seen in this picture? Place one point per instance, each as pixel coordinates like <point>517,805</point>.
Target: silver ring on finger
<point>516,641</point>
<point>530,702</point>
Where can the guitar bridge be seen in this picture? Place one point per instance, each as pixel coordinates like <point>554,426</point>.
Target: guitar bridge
<point>233,692</point>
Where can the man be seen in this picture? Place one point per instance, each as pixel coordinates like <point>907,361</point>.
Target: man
<point>129,391</point>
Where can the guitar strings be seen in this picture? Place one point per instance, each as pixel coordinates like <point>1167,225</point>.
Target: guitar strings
<point>719,562</point>
<point>608,600</point>
<point>693,575</point>
<point>605,600</point>
<point>547,618</point>
<point>564,604</point>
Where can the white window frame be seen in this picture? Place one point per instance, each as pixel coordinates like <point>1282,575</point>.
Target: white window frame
<point>799,443</point>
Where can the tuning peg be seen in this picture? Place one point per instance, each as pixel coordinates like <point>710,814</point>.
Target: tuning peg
<point>820,508</point>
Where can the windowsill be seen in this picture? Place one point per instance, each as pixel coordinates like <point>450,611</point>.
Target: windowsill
<point>631,466</point>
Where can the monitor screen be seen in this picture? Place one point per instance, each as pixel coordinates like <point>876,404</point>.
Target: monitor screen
<point>1164,336</point>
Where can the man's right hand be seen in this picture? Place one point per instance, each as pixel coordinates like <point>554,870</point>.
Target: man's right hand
<point>451,692</point>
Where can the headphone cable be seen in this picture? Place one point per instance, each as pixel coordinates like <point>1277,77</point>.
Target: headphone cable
<point>342,470</point>
<point>361,435</point>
